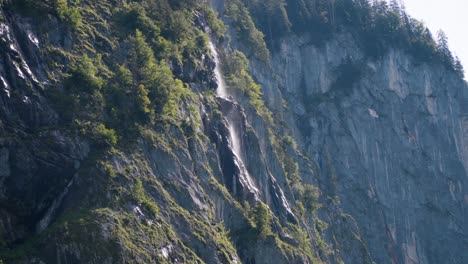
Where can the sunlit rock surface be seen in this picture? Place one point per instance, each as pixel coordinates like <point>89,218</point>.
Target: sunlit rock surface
<point>388,150</point>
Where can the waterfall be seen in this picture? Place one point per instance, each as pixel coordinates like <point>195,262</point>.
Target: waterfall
<point>221,90</point>
<point>236,145</point>
<point>234,136</point>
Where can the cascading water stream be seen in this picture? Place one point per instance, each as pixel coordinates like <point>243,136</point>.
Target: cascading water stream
<point>235,142</point>
<point>221,90</point>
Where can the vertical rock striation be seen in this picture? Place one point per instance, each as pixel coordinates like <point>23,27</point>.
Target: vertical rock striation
<point>384,139</point>
<point>391,145</point>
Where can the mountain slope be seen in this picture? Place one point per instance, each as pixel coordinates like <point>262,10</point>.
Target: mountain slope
<point>340,136</point>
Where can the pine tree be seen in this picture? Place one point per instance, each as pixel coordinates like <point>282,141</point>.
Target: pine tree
<point>143,104</point>
<point>458,67</point>
<point>380,7</point>
<point>443,48</point>
<point>428,35</point>
<point>274,17</point>
<point>118,94</point>
<point>406,20</point>
<point>363,12</point>
<point>141,56</point>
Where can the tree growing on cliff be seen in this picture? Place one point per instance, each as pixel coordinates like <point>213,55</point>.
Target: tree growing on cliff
<point>81,98</point>
<point>127,102</point>
<point>262,218</point>
<point>443,48</point>
<point>273,18</point>
<point>310,198</point>
<point>163,90</point>
<point>68,14</point>
<point>458,67</point>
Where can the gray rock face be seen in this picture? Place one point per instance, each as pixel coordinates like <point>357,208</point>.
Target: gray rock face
<point>392,146</point>
<point>388,149</point>
<point>36,160</point>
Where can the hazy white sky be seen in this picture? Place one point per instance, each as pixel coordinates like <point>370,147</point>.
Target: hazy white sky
<point>449,15</point>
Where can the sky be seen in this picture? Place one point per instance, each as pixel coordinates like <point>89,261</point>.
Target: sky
<point>448,15</point>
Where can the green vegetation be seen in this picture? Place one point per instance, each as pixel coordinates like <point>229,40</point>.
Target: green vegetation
<point>82,98</point>
<point>109,169</point>
<point>68,14</point>
<point>237,76</point>
<point>216,25</point>
<point>121,72</point>
<point>248,33</point>
<point>291,168</point>
<point>301,237</point>
<point>119,83</point>
<point>81,103</point>
<point>272,18</point>
<point>141,196</point>
<point>377,25</point>
<point>146,190</point>
<point>127,76</point>
<point>128,104</point>
<point>310,196</point>
<point>157,89</point>
<point>262,217</point>
<point>101,135</point>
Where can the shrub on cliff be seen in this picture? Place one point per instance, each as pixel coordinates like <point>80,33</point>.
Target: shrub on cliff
<point>261,216</point>
<point>248,33</point>
<point>311,198</point>
<point>68,14</point>
<point>81,97</point>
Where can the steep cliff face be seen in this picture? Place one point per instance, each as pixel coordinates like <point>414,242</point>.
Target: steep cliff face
<point>391,144</point>
<point>178,194</point>
<point>343,158</point>
<point>38,159</point>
